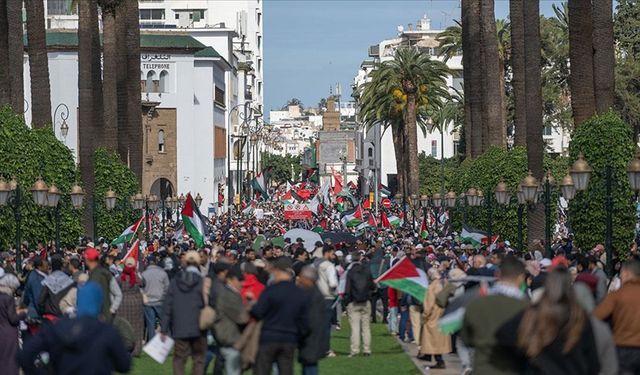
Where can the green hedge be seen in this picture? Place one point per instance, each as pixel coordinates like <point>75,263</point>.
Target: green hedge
<point>111,173</point>
<point>27,154</point>
<point>604,140</point>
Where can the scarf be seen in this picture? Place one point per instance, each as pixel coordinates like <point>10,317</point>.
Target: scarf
<point>129,272</point>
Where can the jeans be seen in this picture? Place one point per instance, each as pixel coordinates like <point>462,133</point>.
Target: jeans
<point>379,294</point>
<point>392,323</point>
<point>151,315</point>
<point>464,352</point>
<point>360,326</point>
<point>310,369</point>
<point>404,328</point>
<point>280,353</point>
<point>329,315</point>
<point>232,364</point>
<point>629,360</point>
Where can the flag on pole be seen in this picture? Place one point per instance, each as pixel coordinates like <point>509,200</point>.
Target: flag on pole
<point>353,217</point>
<point>372,221</point>
<point>395,221</point>
<point>406,277</point>
<point>128,233</point>
<point>337,186</point>
<point>134,252</point>
<point>384,190</point>
<point>194,222</point>
<point>384,220</point>
<point>472,236</point>
<point>259,185</point>
<point>424,231</point>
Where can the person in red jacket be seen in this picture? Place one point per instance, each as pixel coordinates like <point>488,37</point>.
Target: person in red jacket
<point>392,321</point>
<point>251,287</point>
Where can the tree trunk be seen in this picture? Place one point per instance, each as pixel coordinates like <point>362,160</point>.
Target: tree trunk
<point>96,77</point>
<point>16,54</point>
<point>86,127</point>
<point>121,77</point>
<point>398,146</point>
<point>493,107</point>
<point>38,65</point>
<point>517,65</point>
<point>134,106</point>
<point>413,170</point>
<point>5,87</point>
<point>473,76</point>
<point>603,55</point>
<point>533,88</point>
<point>581,78</point>
<point>110,81</point>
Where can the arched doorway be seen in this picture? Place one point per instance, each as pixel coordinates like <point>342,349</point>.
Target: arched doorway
<point>163,188</point>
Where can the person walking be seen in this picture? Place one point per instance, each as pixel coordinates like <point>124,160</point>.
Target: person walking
<point>310,350</point>
<point>84,345</point>
<point>54,288</point>
<point>621,307</point>
<point>10,318</point>
<point>33,286</point>
<point>155,285</point>
<point>180,316</point>
<point>282,308</point>
<point>131,308</point>
<point>327,284</point>
<point>553,335</point>
<point>357,296</point>
<point>111,293</point>
<point>433,342</point>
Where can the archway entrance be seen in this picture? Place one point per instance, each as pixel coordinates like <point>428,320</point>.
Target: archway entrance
<point>163,188</point>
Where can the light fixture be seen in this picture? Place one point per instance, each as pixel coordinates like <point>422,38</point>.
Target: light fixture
<point>53,196</point>
<point>4,191</point>
<point>502,193</point>
<point>567,188</point>
<point>479,198</point>
<point>520,195</point>
<point>633,172</point>
<point>39,192</point>
<point>471,195</point>
<point>64,129</point>
<point>437,200</point>
<point>137,201</point>
<point>110,199</point>
<point>424,200</point>
<point>153,202</point>
<point>529,187</point>
<point>398,197</point>
<point>581,173</point>
<point>413,199</point>
<point>450,198</point>
<point>77,196</point>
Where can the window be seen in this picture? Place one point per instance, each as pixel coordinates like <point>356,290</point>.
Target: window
<point>456,147</point>
<point>259,41</point>
<point>151,14</point>
<point>434,148</point>
<point>161,141</point>
<point>546,131</point>
<point>164,87</point>
<point>152,84</point>
<point>219,96</point>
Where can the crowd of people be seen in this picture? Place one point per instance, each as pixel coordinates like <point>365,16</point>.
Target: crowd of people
<point>244,300</point>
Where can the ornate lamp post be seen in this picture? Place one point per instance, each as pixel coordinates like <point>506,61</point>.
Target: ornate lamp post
<point>413,201</point>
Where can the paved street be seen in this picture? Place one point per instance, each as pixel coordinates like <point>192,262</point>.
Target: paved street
<point>452,361</point>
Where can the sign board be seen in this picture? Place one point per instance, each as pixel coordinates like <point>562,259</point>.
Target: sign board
<point>297,211</point>
<point>259,212</point>
<point>386,203</point>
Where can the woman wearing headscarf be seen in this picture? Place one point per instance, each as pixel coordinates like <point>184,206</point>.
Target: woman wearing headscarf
<point>9,319</point>
<point>131,308</point>
<point>433,342</point>
<point>554,335</point>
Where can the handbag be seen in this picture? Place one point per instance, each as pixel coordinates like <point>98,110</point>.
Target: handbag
<point>207,313</point>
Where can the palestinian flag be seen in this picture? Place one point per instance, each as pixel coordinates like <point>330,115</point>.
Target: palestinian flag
<point>259,185</point>
<point>395,221</point>
<point>424,232</point>
<point>372,221</point>
<point>128,233</point>
<point>384,190</point>
<point>194,222</point>
<point>406,277</point>
<point>353,217</point>
<point>286,198</point>
<point>474,237</point>
<point>250,208</point>
<point>134,252</point>
<point>452,322</point>
<point>384,220</point>
<point>337,185</point>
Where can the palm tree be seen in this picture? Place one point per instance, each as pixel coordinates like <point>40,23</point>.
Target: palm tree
<point>450,42</point>
<point>518,66</point>
<point>603,55</point>
<point>16,54</point>
<point>110,67</point>
<point>121,82</point>
<point>5,87</point>
<point>581,79</point>
<point>471,63</point>
<point>38,65</point>
<point>399,94</point>
<point>134,116</point>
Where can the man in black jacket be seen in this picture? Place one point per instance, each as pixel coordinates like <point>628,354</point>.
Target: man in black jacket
<point>180,316</point>
<point>357,295</point>
<point>311,349</point>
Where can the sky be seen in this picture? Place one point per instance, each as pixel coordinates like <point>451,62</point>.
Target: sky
<point>310,45</point>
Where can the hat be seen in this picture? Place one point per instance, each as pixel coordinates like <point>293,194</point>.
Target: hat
<point>91,254</point>
<point>130,262</point>
<point>192,256</point>
<point>339,253</point>
<point>546,262</point>
<point>419,246</point>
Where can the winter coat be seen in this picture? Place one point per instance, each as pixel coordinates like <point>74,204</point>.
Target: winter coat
<point>311,350</point>
<point>156,283</point>
<point>9,321</point>
<point>182,305</point>
<point>32,290</point>
<point>432,340</point>
<point>359,284</point>
<point>252,286</point>
<point>77,346</point>
<point>231,316</point>
<point>54,288</point>
<point>103,277</point>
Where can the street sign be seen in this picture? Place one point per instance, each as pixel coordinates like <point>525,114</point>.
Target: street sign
<point>297,211</point>
<point>386,203</point>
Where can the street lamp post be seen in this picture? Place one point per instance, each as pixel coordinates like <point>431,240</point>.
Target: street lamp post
<point>437,204</point>
<point>424,203</point>
<point>53,198</point>
<point>413,200</point>
<point>10,193</point>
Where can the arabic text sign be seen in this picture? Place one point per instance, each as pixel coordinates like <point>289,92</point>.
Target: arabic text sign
<point>297,211</point>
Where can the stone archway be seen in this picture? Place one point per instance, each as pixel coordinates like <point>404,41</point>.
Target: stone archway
<point>163,188</point>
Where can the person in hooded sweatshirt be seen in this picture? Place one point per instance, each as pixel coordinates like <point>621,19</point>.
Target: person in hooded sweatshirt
<point>55,287</point>
<point>83,345</point>
<point>180,316</point>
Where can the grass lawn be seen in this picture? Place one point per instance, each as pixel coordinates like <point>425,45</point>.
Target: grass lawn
<point>387,357</point>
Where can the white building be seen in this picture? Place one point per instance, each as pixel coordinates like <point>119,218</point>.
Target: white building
<point>291,131</point>
<point>183,88</point>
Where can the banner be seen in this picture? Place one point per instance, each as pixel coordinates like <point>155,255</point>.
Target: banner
<point>297,211</point>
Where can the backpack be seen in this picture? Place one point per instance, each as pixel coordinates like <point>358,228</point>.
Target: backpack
<point>360,287</point>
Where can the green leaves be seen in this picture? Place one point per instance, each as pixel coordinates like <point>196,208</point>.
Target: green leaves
<point>604,140</point>
<point>280,166</point>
